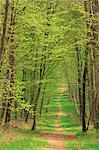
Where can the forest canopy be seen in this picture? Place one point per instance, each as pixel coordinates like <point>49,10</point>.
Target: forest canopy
<point>46,44</point>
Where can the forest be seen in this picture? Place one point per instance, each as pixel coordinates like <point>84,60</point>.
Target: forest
<point>49,75</point>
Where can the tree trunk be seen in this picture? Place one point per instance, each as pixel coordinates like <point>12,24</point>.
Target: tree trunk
<point>2,46</point>
<point>95,61</point>
<point>84,101</point>
<point>3,36</point>
<point>42,100</point>
<point>11,69</point>
<point>79,67</point>
<point>35,108</point>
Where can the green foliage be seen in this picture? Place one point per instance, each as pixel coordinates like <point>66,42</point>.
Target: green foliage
<point>46,36</point>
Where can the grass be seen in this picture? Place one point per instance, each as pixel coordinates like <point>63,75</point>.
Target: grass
<point>25,139</point>
<point>71,125</point>
<point>19,139</point>
<point>22,138</point>
<point>25,144</point>
<point>46,124</point>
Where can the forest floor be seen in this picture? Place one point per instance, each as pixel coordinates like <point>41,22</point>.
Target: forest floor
<point>56,138</point>
<point>59,129</point>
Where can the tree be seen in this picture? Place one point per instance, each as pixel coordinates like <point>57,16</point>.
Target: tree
<point>4,29</point>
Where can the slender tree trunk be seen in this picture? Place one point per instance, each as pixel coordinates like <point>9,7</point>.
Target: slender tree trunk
<point>48,102</point>
<point>2,46</point>
<point>42,64</point>
<point>11,69</point>
<point>42,100</point>
<point>84,100</point>
<point>79,67</point>
<point>85,74</point>
<point>3,36</point>
<point>33,95</point>
<point>95,61</point>
<point>23,90</point>
<point>35,108</point>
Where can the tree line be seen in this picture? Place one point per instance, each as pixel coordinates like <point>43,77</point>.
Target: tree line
<point>39,40</point>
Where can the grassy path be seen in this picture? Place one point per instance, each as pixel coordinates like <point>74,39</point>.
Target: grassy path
<point>58,130</point>
<point>67,134</point>
<point>55,139</point>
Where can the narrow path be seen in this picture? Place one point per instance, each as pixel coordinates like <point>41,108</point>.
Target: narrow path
<point>56,139</point>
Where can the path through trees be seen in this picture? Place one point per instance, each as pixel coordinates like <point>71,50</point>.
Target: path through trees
<point>46,44</point>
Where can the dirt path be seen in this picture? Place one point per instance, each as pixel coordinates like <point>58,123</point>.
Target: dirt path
<point>56,139</point>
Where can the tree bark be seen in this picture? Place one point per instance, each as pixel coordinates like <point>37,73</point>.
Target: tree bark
<point>11,69</point>
<point>79,67</point>
<point>42,100</point>
<point>95,61</point>
<point>3,36</point>
<point>2,46</point>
